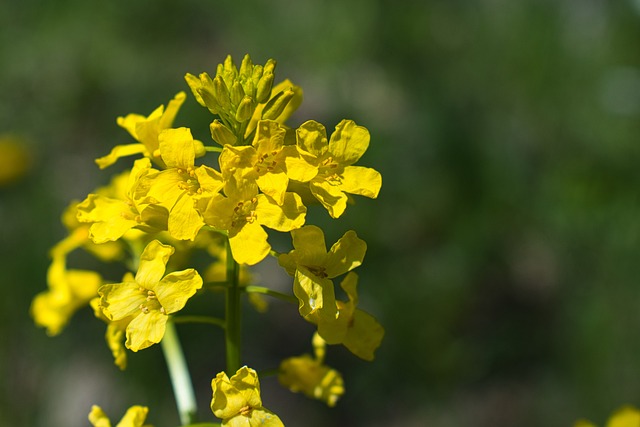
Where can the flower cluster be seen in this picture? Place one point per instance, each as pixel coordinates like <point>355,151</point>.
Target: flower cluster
<point>225,199</point>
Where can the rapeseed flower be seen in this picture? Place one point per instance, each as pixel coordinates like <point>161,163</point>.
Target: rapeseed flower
<point>150,297</point>
<point>146,131</point>
<point>237,401</point>
<point>313,268</point>
<point>181,185</point>
<point>243,212</point>
<point>334,158</point>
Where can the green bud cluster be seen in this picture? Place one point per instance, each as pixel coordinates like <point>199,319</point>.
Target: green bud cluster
<point>237,96</point>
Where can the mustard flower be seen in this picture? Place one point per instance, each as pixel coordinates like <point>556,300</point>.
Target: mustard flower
<point>114,210</point>
<point>356,329</point>
<point>237,401</point>
<point>134,417</point>
<point>627,416</point>
<point>311,376</point>
<point>149,298</point>
<point>268,161</point>
<point>181,185</point>
<point>334,160</point>
<point>145,130</point>
<point>115,334</point>
<point>68,291</point>
<point>313,268</point>
<point>243,212</point>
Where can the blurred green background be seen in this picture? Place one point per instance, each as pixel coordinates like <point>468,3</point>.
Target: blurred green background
<point>503,250</point>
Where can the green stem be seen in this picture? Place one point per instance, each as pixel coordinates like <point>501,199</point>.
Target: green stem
<point>199,319</point>
<point>179,373</point>
<point>214,149</point>
<point>270,292</point>
<point>233,314</point>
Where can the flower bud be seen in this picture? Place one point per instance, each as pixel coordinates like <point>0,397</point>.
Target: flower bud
<point>221,93</point>
<point>246,68</point>
<point>237,93</point>
<point>199,148</point>
<point>245,109</point>
<point>264,88</point>
<point>222,134</point>
<point>277,104</point>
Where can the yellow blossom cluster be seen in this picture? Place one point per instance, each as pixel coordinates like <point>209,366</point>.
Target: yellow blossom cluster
<point>225,199</point>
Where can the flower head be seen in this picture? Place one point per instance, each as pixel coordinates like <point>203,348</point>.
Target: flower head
<point>334,159</point>
<point>237,401</point>
<point>150,297</point>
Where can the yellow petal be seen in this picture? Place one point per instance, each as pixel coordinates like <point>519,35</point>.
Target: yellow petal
<point>153,262</point>
<point>345,255</point>
<point>177,148</point>
<point>311,137</point>
<point>362,181</point>
<point>316,296</point>
<point>176,288</point>
<point>121,300</point>
<point>289,216</point>
<point>145,330</point>
<point>348,142</point>
<point>274,185</point>
<point>121,151</point>
<point>329,195</point>
<point>365,335</point>
<point>134,417</point>
<point>249,244</point>
<point>184,219</point>
<point>98,418</point>
<point>296,166</point>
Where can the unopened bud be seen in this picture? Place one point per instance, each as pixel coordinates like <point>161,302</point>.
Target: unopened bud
<point>246,68</point>
<point>237,93</point>
<point>221,93</point>
<point>199,148</point>
<point>265,85</point>
<point>277,104</point>
<point>222,134</point>
<point>245,109</point>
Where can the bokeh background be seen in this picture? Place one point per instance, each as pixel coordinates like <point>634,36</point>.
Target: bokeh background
<point>503,250</point>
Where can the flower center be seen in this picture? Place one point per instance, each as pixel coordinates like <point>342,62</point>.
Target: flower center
<point>317,270</point>
<point>244,212</point>
<point>189,181</point>
<point>151,303</point>
<point>266,163</point>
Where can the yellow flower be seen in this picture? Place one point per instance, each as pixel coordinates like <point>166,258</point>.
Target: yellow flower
<point>15,159</point>
<point>334,159</point>
<point>113,211</point>
<point>268,161</point>
<point>243,212</point>
<point>313,268</point>
<point>134,417</point>
<point>310,376</point>
<point>237,401</point>
<point>149,298</point>
<point>68,291</point>
<point>357,330</point>
<point>627,416</point>
<point>145,130</point>
<point>181,185</point>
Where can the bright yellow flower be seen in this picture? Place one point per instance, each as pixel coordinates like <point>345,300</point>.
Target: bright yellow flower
<point>268,161</point>
<point>145,130</point>
<point>334,159</point>
<point>181,185</point>
<point>134,417</point>
<point>313,268</point>
<point>627,416</point>
<point>355,329</point>
<point>69,290</point>
<point>113,211</point>
<point>237,401</point>
<point>243,212</point>
<point>149,298</point>
<point>310,376</point>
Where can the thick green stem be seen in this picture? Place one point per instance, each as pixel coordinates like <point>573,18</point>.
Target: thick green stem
<point>179,373</point>
<point>233,314</point>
